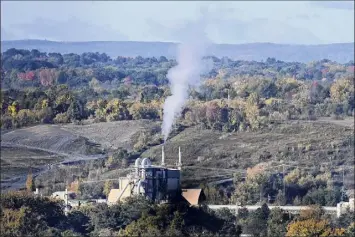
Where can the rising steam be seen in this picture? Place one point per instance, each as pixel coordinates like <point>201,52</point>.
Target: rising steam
<point>187,72</point>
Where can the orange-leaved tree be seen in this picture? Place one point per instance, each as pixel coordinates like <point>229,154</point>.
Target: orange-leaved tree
<point>312,222</point>
<point>30,185</point>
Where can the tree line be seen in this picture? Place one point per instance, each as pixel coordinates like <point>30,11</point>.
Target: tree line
<point>235,95</point>
<point>24,214</point>
<point>231,104</point>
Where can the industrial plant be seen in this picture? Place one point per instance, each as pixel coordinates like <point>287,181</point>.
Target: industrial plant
<point>156,182</point>
<point>161,184</point>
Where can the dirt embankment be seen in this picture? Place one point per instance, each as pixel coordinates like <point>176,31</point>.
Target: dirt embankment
<point>43,145</point>
<point>78,139</point>
<point>50,138</point>
<point>307,144</point>
<point>112,135</point>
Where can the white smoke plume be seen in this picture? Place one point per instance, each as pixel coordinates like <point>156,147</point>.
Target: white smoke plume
<point>187,72</point>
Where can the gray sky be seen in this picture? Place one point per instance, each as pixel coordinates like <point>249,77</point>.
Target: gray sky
<point>227,22</point>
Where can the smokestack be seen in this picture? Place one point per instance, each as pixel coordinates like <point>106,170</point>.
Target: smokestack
<point>179,164</point>
<point>162,156</point>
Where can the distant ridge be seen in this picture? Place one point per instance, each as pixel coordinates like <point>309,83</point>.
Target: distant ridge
<point>340,52</point>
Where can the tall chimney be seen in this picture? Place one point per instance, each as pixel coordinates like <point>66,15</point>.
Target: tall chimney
<point>162,156</point>
<point>179,164</point>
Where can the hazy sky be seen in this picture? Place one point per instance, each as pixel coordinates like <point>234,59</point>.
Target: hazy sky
<point>227,22</point>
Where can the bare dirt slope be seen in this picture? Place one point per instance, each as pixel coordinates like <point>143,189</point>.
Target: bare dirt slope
<point>77,139</point>
<point>112,135</point>
<point>47,137</point>
<point>16,161</point>
<point>307,144</point>
<point>242,149</point>
<point>20,147</point>
<point>41,145</point>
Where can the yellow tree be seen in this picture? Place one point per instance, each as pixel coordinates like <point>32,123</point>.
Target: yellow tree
<point>107,187</point>
<point>311,222</point>
<point>30,185</point>
<point>44,104</point>
<point>158,106</point>
<point>13,221</point>
<point>113,106</point>
<point>25,116</point>
<point>252,110</point>
<point>342,90</point>
<point>312,227</point>
<point>13,108</point>
<point>137,110</point>
<point>293,176</point>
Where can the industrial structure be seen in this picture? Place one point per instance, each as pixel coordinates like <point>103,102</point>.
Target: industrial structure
<point>158,183</point>
<point>162,184</point>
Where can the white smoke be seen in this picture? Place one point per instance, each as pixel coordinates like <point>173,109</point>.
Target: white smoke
<point>186,73</point>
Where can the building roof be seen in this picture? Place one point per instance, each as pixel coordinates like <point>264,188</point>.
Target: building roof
<point>192,195</point>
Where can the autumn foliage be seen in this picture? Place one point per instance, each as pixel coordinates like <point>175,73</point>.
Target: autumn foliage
<point>30,186</point>
<point>74,186</point>
<point>27,76</point>
<point>47,76</point>
<point>254,171</point>
<point>313,222</point>
<point>312,227</point>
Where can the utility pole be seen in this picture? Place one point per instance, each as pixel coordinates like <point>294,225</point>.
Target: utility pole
<point>342,188</point>
<point>179,162</point>
<point>283,179</point>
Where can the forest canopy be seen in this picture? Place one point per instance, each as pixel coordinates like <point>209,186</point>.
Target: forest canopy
<point>39,87</point>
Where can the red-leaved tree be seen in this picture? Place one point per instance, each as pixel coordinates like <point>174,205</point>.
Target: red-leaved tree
<point>26,76</point>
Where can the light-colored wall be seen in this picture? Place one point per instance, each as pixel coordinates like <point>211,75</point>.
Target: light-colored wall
<point>126,188</point>
<point>124,191</point>
<point>343,207</point>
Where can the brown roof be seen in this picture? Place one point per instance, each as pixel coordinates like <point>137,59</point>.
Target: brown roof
<point>192,195</point>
